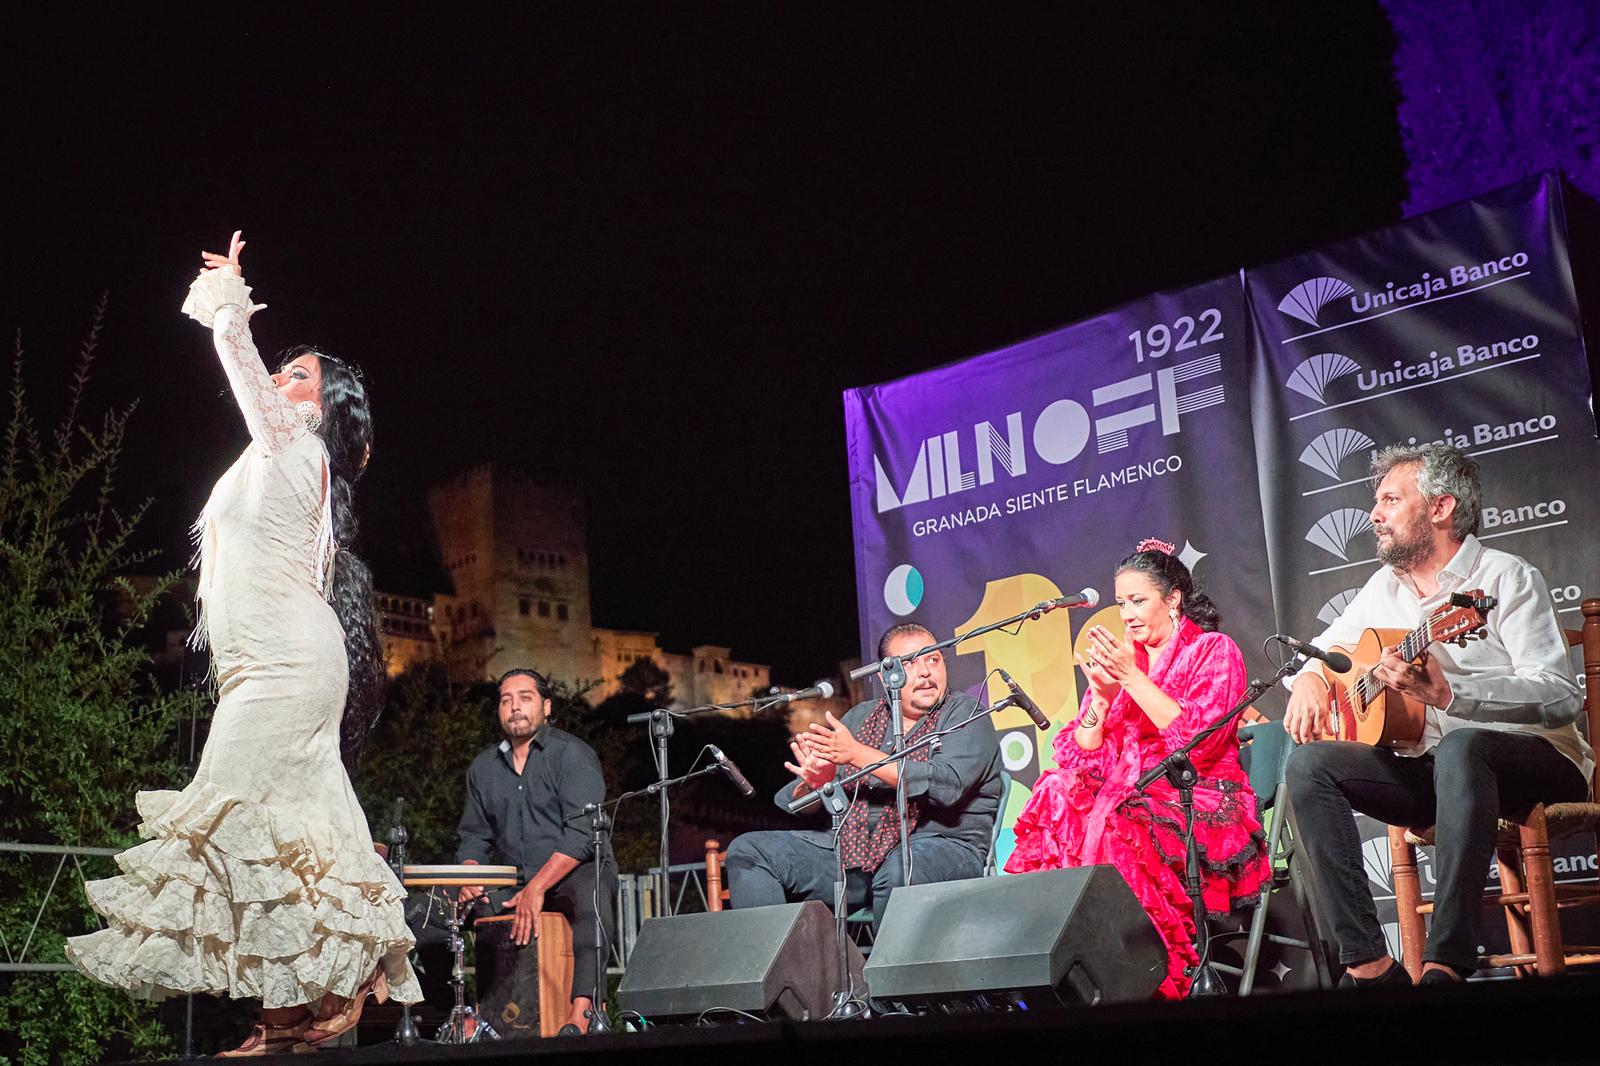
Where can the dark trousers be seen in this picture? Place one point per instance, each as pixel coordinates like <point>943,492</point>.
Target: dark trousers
<point>770,868</point>
<point>574,898</point>
<point>1463,786</point>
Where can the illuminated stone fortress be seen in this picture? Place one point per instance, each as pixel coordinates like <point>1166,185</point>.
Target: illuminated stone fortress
<point>516,552</point>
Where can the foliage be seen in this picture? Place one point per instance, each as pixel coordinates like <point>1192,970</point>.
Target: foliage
<point>645,679</point>
<point>82,724</point>
<point>1492,92</point>
<point>419,751</point>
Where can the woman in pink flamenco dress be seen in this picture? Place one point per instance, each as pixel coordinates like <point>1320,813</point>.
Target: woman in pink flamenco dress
<point>1169,677</point>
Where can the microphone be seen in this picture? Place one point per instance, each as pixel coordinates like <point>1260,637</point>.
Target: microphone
<point>820,691</point>
<point>1024,701</point>
<point>1083,598</point>
<point>1337,661</point>
<point>738,779</point>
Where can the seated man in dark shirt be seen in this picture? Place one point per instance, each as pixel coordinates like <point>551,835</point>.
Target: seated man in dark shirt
<point>524,808</point>
<point>952,797</point>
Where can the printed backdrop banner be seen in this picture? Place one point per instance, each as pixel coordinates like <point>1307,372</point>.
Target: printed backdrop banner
<point>982,488</point>
<point>1460,326</point>
<point>1235,419</point>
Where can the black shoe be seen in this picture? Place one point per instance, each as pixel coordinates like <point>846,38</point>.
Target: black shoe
<point>569,1030</point>
<point>1395,975</point>
<point>1440,977</point>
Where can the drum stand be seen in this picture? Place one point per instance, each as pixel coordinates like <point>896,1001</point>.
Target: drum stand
<point>454,1030</point>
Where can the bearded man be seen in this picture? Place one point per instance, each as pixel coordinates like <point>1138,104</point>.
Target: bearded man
<point>1500,714</point>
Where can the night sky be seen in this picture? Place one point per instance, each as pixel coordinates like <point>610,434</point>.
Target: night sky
<point>646,249</point>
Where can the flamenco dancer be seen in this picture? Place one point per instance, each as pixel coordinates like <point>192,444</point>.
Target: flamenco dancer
<point>1169,677</point>
<point>259,879</point>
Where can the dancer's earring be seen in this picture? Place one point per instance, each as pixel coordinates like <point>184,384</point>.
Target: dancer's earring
<point>310,414</point>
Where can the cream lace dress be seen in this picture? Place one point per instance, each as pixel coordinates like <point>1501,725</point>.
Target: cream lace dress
<point>259,879</point>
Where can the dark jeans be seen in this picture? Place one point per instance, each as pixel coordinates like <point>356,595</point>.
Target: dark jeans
<point>1463,786</point>
<point>770,868</point>
<point>573,898</point>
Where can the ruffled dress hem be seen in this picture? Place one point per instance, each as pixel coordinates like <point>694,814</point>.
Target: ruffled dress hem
<point>232,897</point>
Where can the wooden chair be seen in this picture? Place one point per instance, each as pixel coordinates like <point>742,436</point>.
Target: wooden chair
<point>716,891</point>
<point>1529,895</point>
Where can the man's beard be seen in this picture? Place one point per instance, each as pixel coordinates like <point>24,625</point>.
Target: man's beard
<point>1407,546</point>
<point>519,728</point>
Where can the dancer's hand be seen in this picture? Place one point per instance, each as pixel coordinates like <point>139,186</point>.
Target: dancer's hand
<point>810,767</point>
<point>1102,686</point>
<point>1113,656</point>
<point>528,903</point>
<point>230,261</point>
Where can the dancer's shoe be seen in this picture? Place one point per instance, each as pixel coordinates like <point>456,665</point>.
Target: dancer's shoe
<point>325,1030</point>
<point>267,1039</point>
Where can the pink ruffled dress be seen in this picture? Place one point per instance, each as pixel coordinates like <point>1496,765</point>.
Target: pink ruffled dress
<point>1086,812</point>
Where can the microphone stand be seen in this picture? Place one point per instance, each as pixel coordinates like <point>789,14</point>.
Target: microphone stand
<point>893,669</point>
<point>599,825</point>
<point>406,1031</point>
<point>661,729</point>
<point>1179,771</point>
<point>832,795</point>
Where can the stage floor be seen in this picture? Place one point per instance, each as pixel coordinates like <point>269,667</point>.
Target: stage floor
<point>1483,1023</point>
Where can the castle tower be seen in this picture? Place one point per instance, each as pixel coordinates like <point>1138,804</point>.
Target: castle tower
<point>516,552</point>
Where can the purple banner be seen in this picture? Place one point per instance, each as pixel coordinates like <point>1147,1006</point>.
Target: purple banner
<point>982,488</point>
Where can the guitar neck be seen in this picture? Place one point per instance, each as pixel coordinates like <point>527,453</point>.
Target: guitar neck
<point>1411,647</point>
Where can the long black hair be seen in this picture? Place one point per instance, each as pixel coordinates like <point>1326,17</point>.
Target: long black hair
<point>1167,572</point>
<point>346,433</point>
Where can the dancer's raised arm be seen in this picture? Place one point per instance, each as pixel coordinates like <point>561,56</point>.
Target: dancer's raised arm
<point>220,299</point>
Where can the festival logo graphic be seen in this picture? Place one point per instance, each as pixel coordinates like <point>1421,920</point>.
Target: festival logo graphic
<point>1335,530</point>
<point>1328,450</point>
<point>1310,379</point>
<point>1307,299</point>
<point>902,592</point>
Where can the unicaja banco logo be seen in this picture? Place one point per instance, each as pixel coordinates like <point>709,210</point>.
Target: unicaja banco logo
<point>1376,862</point>
<point>1335,606</point>
<point>1329,449</point>
<point>1307,299</point>
<point>1334,531</point>
<point>1310,379</point>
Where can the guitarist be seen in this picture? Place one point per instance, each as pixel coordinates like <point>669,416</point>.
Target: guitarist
<point>1499,733</point>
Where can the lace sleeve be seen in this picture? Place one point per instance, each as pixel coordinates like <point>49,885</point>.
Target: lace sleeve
<point>273,422</point>
<point>220,301</point>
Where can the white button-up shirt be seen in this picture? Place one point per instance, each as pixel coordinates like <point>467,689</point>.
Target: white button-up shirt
<point>1518,677</point>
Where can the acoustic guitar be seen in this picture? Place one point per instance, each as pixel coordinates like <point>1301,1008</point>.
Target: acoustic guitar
<point>1362,708</point>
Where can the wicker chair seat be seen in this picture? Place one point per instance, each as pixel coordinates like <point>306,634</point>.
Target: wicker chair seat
<point>1564,820</point>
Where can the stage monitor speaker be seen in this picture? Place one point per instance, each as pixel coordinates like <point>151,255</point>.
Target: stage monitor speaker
<point>772,962</point>
<point>1030,942</point>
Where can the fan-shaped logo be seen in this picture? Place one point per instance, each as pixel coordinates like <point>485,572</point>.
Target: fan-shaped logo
<point>1376,862</point>
<point>1335,606</point>
<point>902,592</point>
<point>1307,299</point>
<point>1311,377</point>
<point>1334,531</point>
<point>1329,449</point>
